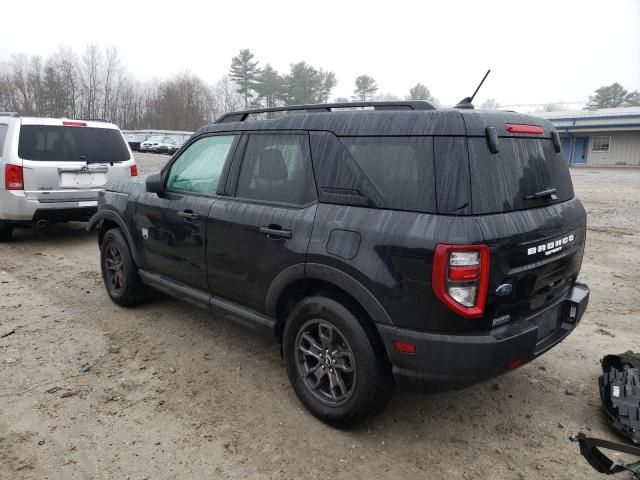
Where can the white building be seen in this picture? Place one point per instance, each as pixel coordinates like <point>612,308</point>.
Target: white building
<point>605,137</point>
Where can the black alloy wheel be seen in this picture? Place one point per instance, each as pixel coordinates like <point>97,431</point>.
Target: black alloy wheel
<point>326,362</point>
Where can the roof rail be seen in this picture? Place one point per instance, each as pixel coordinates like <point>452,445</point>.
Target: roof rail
<point>9,114</point>
<point>241,116</point>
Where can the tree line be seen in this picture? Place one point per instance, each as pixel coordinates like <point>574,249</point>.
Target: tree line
<point>96,84</point>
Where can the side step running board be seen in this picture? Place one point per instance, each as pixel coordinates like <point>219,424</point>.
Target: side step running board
<point>220,307</point>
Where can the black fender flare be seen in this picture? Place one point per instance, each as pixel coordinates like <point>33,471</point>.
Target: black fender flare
<point>332,275</point>
<point>96,221</point>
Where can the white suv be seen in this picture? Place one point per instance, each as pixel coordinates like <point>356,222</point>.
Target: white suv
<point>51,170</point>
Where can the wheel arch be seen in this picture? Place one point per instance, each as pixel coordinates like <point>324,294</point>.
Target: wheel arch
<point>299,281</point>
<point>104,221</point>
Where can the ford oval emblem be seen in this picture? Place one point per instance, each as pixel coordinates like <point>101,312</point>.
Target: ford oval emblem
<point>504,289</point>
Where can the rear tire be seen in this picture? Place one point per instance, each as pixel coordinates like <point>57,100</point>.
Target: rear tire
<point>6,234</point>
<point>335,363</point>
<point>119,272</point>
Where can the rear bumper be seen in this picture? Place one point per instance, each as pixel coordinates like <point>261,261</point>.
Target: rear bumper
<point>53,215</point>
<point>447,362</point>
<point>16,208</point>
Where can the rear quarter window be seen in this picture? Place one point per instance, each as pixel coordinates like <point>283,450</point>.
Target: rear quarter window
<point>60,143</point>
<point>523,166</point>
<point>401,169</point>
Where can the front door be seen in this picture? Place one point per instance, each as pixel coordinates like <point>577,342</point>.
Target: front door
<point>172,225</point>
<point>580,150</point>
<point>265,226</point>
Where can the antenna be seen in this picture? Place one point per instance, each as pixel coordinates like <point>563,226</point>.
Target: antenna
<point>466,102</point>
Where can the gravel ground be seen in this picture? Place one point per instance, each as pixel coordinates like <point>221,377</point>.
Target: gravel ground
<point>172,393</point>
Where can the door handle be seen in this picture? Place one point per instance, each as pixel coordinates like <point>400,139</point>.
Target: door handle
<point>188,215</point>
<point>275,231</point>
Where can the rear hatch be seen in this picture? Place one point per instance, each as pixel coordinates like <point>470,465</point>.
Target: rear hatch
<point>70,161</point>
<point>522,197</point>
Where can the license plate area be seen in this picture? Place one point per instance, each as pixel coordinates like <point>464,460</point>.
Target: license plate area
<point>82,180</point>
<point>548,322</point>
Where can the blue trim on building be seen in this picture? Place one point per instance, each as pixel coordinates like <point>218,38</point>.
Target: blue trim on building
<point>592,127</point>
<point>598,117</point>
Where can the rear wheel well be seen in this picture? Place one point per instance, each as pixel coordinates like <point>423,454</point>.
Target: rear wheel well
<point>295,292</point>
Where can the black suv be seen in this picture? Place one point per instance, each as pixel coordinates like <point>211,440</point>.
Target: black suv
<point>382,244</point>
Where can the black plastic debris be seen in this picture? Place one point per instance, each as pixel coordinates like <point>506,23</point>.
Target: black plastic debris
<point>590,448</point>
<point>620,393</point>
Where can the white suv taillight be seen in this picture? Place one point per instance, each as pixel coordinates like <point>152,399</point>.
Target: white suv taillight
<point>460,278</point>
<point>13,177</point>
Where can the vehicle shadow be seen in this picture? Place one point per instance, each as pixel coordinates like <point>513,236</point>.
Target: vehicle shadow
<point>51,233</point>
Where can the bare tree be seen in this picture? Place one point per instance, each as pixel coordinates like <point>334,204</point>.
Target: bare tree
<point>90,80</point>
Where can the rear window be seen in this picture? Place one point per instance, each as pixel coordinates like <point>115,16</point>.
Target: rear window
<point>523,166</point>
<point>58,143</point>
<point>399,168</point>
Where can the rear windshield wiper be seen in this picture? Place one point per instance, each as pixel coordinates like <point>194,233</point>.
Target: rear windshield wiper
<point>549,193</point>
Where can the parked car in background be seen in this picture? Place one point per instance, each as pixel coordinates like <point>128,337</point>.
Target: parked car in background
<point>399,245</point>
<point>176,146</point>
<point>135,139</point>
<point>169,146</point>
<point>151,143</point>
<point>52,169</point>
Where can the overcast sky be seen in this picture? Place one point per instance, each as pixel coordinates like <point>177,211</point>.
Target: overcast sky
<point>540,51</point>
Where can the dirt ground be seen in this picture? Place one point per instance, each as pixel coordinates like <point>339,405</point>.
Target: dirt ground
<point>172,393</point>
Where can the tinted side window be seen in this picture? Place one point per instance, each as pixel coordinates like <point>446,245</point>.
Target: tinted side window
<point>277,168</point>
<point>400,169</point>
<point>56,143</point>
<point>199,167</point>
<point>3,134</point>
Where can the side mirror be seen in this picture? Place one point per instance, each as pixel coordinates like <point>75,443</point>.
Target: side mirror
<point>154,183</point>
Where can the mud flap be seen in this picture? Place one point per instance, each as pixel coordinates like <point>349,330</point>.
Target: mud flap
<point>620,393</point>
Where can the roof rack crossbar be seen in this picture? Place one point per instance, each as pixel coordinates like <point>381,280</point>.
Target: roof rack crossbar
<point>9,114</point>
<point>241,115</point>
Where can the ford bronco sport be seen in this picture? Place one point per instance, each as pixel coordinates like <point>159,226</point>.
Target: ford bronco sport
<point>380,243</point>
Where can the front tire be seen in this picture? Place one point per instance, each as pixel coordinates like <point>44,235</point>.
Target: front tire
<point>335,362</point>
<point>119,272</point>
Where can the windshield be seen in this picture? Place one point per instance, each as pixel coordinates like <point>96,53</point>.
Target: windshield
<point>57,143</point>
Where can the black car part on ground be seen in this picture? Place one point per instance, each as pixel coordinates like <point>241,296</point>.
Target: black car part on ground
<point>590,449</point>
<point>620,393</point>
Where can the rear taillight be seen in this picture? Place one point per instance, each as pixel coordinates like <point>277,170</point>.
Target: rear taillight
<point>13,178</point>
<point>134,170</point>
<point>460,278</point>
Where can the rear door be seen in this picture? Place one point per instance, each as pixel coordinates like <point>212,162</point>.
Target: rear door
<point>70,161</point>
<point>171,226</point>
<point>523,199</point>
<point>265,225</point>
